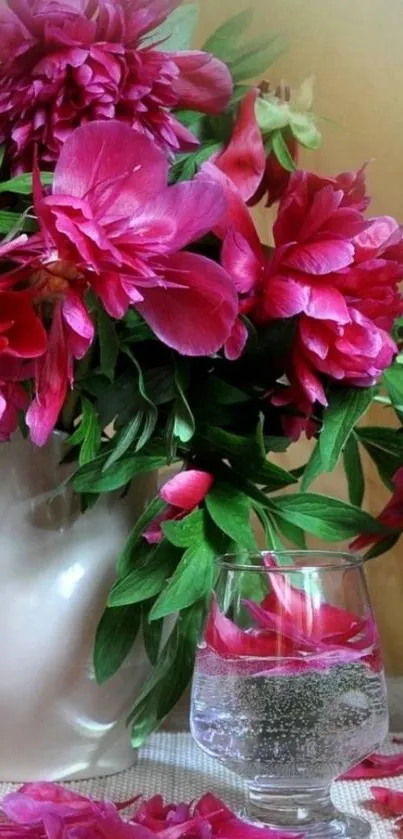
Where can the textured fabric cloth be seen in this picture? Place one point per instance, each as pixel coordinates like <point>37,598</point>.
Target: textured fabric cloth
<point>171,764</point>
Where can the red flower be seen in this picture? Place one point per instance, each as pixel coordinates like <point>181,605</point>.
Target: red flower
<point>333,270</point>
<point>13,396</point>
<point>21,332</point>
<point>182,493</point>
<point>67,63</point>
<point>391,516</point>
<point>71,334</point>
<point>275,178</point>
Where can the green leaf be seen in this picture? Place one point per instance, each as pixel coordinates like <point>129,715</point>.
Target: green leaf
<point>346,407</point>
<point>169,678</point>
<point>385,447</point>
<point>305,130</point>
<point>230,511</point>
<point>116,634</point>
<point>393,380</point>
<point>184,423</point>
<point>136,329</point>
<point>177,31</point>
<point>16,222</point>
<point>124,439</point>
<point>192,580</point>
<point>382,547</point>
<point>187,531</point>
<point>313,468</point>
<point>186,166</point>
<point>90,477</point>
<point>152,633</point>
<point>147,578</point>
<point>129,555</point>
<point>2,153</point>
<point>22,184</point>
<point>354,471</point>
<point>282,152</point>
<point>151,411</point>
<point>271,114</point>
<point>291,532</point>
<point>224,393</point>
<point>224,41</point>
<point>91,433</point>
<point>327,518</point>
<point>256,58</point>
<point>108,344</point>
<point>247,457</point>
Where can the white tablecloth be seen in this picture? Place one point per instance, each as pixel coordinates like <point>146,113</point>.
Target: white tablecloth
<point>172,765</point>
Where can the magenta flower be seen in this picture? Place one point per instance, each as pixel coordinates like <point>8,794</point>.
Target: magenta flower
<point>112,219</point>
<point>112,224</point>
<point>13,396</point>
<point>336,272</point>
<point>71,335</point>
<point>66,63</point>
<point>182,493</point>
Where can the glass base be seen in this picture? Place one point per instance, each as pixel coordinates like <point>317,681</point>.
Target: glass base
<point>310,812</point>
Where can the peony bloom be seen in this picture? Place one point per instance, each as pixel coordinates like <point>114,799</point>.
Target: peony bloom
<point>112,224</point>
<point>13,396</point>
<point>391,516</point>
<point>21,332</point>
<point>182,493</point>
<point>332,270</point>
<point>71,335</point>
<point>66,63</point>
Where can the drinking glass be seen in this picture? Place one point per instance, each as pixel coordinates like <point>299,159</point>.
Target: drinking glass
<point>289,690</point>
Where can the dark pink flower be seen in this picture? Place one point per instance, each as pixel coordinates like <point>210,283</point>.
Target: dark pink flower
<point>13,396</point>
<point>71,335</point>
<point>182,493</point>
<point>65,64</point>
<point>112,223</point>
<point>21,332</point>
<point>376,766</point>
<point>330,268</point>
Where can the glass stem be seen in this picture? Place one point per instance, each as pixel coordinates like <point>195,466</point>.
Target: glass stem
<point>291,809</point>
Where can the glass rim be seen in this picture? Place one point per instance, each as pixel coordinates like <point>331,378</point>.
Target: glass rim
<point>334,561</point>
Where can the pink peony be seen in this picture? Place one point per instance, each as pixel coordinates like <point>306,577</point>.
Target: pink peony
<point>21,332</point>
<point>67,63</point>
<point>13,396</point>
<point>113,225</point>
<point>334,271</point>
<point>182,493</point>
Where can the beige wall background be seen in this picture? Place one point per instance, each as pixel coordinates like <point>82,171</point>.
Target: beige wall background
<point>354,48</point>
